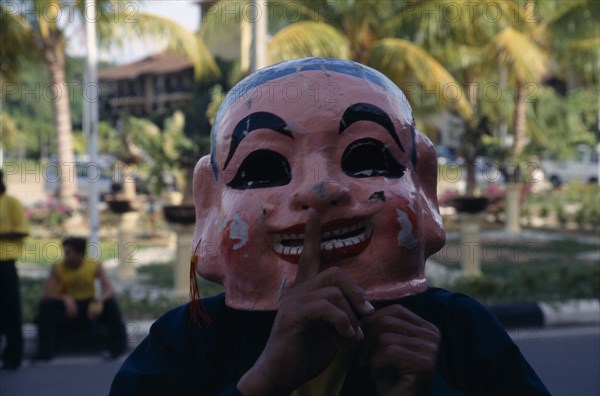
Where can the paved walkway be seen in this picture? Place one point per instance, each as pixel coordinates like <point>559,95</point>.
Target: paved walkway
<point>566,359</point>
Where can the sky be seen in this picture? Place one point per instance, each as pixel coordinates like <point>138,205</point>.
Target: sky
<point>183,11</point>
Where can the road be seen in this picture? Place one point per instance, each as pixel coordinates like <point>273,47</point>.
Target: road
<point>64,376</point>
<point>567,360</point>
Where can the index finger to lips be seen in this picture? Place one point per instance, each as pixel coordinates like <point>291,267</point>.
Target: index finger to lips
<point>310,260</point>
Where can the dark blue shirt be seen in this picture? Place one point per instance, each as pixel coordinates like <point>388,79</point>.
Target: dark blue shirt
<point>476,356</point>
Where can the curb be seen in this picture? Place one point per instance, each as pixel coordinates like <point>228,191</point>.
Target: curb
<point>514,315</point>
<point>543,314</point>
<point>136,330</point>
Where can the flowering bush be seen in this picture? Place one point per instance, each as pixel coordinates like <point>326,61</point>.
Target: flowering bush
<point>51,214</point>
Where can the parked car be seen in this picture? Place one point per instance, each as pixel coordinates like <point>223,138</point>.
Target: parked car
<point>84,172</point>
<point>444,154</point>
<point>583,168</point>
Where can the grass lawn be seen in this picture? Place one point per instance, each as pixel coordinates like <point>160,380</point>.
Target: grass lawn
<point>497,257</point>
<point>527,271</point>
<point>46,251</point>
<point>161,275</point>
<point>519,271</point>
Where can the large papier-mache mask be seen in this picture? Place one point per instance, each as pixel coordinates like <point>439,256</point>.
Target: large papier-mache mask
<point>327,134</point>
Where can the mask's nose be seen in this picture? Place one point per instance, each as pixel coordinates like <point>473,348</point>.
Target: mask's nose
<point>321,196</point>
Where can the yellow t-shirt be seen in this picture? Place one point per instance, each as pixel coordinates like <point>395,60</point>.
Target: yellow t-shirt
<point>12,219</point>
<point>330,381</point>
<point>77,282</point>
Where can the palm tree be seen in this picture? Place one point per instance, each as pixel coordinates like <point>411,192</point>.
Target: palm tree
<point>525,42</point>
<point>8,134</point>
<point>525,63</point>
<point>529,41</point>
<point>163,150</point>
<point>11,51</point>
<point>40,25</point>
<point>519,42</point>
<point>357,30</point>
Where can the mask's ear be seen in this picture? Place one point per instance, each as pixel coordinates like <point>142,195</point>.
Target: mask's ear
<point>207,200</point>
<point>433,230</point>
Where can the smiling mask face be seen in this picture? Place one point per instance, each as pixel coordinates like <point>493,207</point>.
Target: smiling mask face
<point>325,134</point>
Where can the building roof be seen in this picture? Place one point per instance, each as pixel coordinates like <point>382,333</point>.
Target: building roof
<point>156,64</point>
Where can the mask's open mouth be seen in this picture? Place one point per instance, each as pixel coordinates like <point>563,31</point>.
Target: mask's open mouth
<point>337,241</point>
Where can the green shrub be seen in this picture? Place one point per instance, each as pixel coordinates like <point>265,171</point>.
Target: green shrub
<point>31,294</point>
<point>561,215</point>
<point>534,284</point>
<point>581,216</point>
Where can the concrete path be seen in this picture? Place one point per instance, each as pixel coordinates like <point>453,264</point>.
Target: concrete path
<point>566,359</point>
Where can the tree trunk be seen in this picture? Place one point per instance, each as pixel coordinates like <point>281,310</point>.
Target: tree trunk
<point>55,59</point>
<point>513,197</point>
<point>519,121</point>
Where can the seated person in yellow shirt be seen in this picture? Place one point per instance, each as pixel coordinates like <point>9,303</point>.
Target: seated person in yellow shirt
<point>69,298</point>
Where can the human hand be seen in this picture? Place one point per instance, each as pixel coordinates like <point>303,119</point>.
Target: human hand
<point>313,316</point>
<point>70,305</point>
<point>400,349</point>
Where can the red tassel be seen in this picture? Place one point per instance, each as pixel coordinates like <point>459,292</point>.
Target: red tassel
<point>197,308</point>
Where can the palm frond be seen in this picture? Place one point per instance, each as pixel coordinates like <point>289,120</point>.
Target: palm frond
<point>178,39</point>
<point>17,43</point>
<point>227,16</point>
<point>575,19</point>
<point>304,39</point>
<point>585,44</point>
<point>558,123</point>
<point>513,50</point>
<point>223,18</point>
<point>405,63</point>
<point>8,136</point>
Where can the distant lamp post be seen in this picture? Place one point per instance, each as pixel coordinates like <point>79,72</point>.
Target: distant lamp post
<point>258,20</point>
<point>126,204</point>
<point>91,114</point>
<point>182,219</point>
<point>469,209</point>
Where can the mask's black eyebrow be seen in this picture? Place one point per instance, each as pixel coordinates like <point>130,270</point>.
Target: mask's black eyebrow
<point>368,112</point>
<point>252,122</point>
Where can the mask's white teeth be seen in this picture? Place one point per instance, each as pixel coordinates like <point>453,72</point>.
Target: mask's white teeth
<point>327,245</point>
<point>332,243</point>
<point>278,247</point>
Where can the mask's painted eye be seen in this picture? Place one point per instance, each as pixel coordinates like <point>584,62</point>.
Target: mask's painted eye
<point>262,169</point>
<point>368,158</point>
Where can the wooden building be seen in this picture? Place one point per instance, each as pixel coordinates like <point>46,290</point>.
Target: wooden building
<point>157,84</point>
